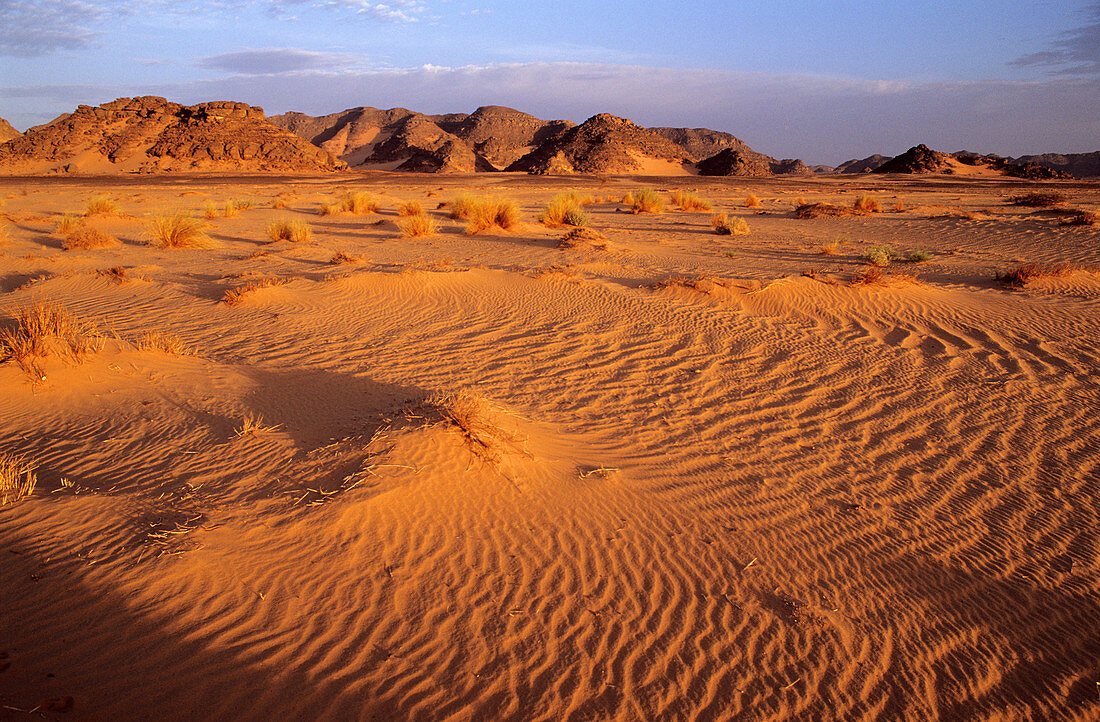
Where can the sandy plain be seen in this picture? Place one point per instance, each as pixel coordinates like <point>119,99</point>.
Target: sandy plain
<point>757,492</point>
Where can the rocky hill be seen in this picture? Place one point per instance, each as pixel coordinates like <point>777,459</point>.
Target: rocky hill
<point>702,143</point>
<point>1080,165</point>
<point>7,132</point>
<point>919,159</point>
<point>864,165</point>
<point>419,145</point>
<point>602,144</point>
<point>150,134</point>
<point>503,135</point>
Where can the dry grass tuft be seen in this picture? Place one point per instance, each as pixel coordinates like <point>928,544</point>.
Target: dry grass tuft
<point>879,255</point>
<point>117,274</point>
<point>101,206</point>
<point>751,201</point>
<point>88,238</point>
<point>866,204</point>
<point>723,225</point>
<point>1080,218</point>
<point>690,202</point>
<point>410,208</point>
<point>584,238</point>
<point>210,210</point>
<point>285,229</point>
<point>819,210</point>
<point>67,223</point>
<point>564,210</point>
<point>462,207</point>
<point>489,213</point>
<point>1025,273</point>
<point>830,248</point>
<point>647,201</point>
<point>163,342</point>
<point>358,203</point>
<point>45,329</point>
<point>1038,200</point>
<point>340,258</point>
<point>875,276</point>
<point>627,199</point>
<point>702,284</point>
<point>918,256</point>
<point>279,204</point>
<point>179,230</point>
<point>253,424</point>
<point>5,234</point>
<point>470,412</point>
<point>420,226</point>
<point>235,296</point>
<point>17,478</point>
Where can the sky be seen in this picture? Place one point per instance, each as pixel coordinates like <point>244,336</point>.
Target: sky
<point>818,80</point>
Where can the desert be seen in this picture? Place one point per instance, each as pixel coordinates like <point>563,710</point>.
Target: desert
<point>470,360</point>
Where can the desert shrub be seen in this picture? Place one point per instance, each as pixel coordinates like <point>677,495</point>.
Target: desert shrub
<point>101,206</point>
<point>236,295</point>
<point>279,204</point>
<point>491,213</point>
<point>285,229</point>
<point>410,208</point>
<point>88,238</point>
<point>116,274</point>
<point>17,478</point>
<point>238,205</point>
<point>471,413</point>
<point>647,201</point>
<point>563,210</point>
<point>627,199</point>
<point>723,225</point>
<point>419,226</point>
<point>879,255</point>
<point>463,206</point>
<point>690,202</point>
<point>918,256</point>
<point>584,238</point>
<point>358,203</point>
<point>45,329</point>
<point>1038,199</point>
<point>751,201</point>
<point>163,342</point>
<point>179,230</point>
<point>210,210</point>
<point>1080,218</point>
<point>865,204</point>
<point>340,257</point>
<point>829,248</point>
<point>1024,273</point>
<point>67,223</point>
<point>818,210</point>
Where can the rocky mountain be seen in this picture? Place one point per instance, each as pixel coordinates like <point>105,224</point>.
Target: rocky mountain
<point>150,134</point>
<point>416,144</point>
<point>865,165</point>
<point>702,143</point>
<point>1080,165</point>
<point>602,144</point>
<point>7,132</point>
<point>503,135</point>
<point>918,159</point>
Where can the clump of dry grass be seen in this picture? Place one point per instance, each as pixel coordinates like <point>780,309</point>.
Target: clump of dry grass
<point>918,256</point>
<point>17,478</point>
<point>564,210</point>
<point>5,234</point>
<point>751,201</point>
<point>470,412</point>
<point>723,225</point>
<point>253,424</point>
<point>463,206</point>
<point>340,258</point>
<point>1025,273</point>
<point>1080,218</point>
<point>819,210</point>
<point>235,296</point>
<point>359,203</point>
<point>489,213</point>
<point>67,223</point>
<point>647,200</point>
<point>584,238</point>
<point>45,329</point>
<point>865,204</point>
<point>1038,199</point>
<point>410,208</point>
<point>879,255</point>
<point>117,274</point>
<point>210,210</point>
<point>420,226</point>
<point>101,206</point>
<point>279,204</point>
<point>179,230</point>
<point>702,284</point>
<point>285,229</point>
<point>829,248</point>
<point>164,342</point>
<point>690,202</point>
<point>88,238</point>
<point>627,199</point>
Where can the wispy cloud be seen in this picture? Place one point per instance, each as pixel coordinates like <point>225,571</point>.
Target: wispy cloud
<point>273,61</point>
<point>30,28</point>
<point>1076,52</point>
<point>820,119</point>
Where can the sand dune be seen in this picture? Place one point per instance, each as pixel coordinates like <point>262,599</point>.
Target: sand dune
<point>707,477</point>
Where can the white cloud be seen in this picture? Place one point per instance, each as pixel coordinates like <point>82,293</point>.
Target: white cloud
<point>273,61</point>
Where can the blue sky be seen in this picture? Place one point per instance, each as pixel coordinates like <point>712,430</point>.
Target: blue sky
<point>824,81</point>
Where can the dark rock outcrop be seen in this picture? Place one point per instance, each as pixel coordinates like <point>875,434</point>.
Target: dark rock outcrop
<point>7,132</point>
<point>602,144</point>
<point>862,165</point>
<point>918,159</point>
